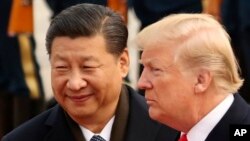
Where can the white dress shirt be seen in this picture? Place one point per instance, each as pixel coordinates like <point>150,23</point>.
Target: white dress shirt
<point>105,133</point>
<point>202,129</point>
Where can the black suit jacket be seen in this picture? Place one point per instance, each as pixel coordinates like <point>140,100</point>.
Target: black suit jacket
<point>52,125</point>
<point>238,113</point>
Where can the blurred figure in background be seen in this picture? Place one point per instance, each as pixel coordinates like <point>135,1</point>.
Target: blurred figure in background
<point>58,5</point>
<point>150,11</point>
<point>119,6</point>
<point>235,16</point>
<point>21,91</point>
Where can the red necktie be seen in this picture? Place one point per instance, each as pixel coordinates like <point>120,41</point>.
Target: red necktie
<point>183,137</point>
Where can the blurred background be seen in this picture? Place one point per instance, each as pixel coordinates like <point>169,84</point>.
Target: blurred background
<point>25,88</point>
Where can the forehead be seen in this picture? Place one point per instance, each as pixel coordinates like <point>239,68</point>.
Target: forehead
<point>78,44</point>
<point>158,54</point>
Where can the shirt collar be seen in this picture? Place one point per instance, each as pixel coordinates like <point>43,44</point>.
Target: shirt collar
<point>105,133</point>
<point>206,124</point>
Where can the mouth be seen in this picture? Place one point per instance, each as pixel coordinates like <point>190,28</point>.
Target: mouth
<point>149,101</point>
<point>80,98</point>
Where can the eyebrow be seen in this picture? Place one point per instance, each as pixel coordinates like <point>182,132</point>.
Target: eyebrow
<point>58,56</point>
<point>148,61</point>
<point>151,61</point>
<point>89,58</point>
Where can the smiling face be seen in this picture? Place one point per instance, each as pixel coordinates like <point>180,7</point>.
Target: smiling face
<point>86,79</point>
<point>168,88</point>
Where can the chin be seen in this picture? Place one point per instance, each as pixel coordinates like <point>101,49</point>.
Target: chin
<point>78,114</point>
<point>156,115</point>
<point>152,115</point>
<point>74,111</point>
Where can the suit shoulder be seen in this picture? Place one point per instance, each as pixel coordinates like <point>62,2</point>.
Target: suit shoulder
<point>31,129</point>
<point>141,126</point>
<point>136,98</point>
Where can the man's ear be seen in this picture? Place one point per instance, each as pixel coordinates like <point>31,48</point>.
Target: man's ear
<point>124,62</point>
<point>203,81</point>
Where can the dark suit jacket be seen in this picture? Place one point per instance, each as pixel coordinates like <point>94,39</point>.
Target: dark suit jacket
<point>238,113</point>
<point>52,126</point>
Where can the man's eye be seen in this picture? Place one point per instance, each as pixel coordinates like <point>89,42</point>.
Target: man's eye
<point>88,67</point>
<point>154,69</point>
<point>61,68</point>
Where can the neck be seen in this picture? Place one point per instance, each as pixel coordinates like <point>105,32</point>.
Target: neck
<point>97,121</point>
<point>206,102</point>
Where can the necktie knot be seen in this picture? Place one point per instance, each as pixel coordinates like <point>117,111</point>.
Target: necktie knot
<point>183,137</point>
<point>97,138</point>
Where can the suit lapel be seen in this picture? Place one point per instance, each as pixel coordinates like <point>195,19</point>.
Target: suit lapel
<point>75,129</point>
<point>58,129</point>
<point>235,115</point>
<point>121,116</point>
<point>140,126</point>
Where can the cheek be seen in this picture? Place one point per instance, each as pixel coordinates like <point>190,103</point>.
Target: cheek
<point>161,86</point>
<point>58,83</point>
<point>168,91</point>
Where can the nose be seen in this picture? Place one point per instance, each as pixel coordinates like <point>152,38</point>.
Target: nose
<point>143,82</point>
<point>76,82</point>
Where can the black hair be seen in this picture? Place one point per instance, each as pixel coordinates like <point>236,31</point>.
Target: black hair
<point>89,20</point>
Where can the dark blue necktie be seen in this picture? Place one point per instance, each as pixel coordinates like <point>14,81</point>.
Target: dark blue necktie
<point>97,138</point>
